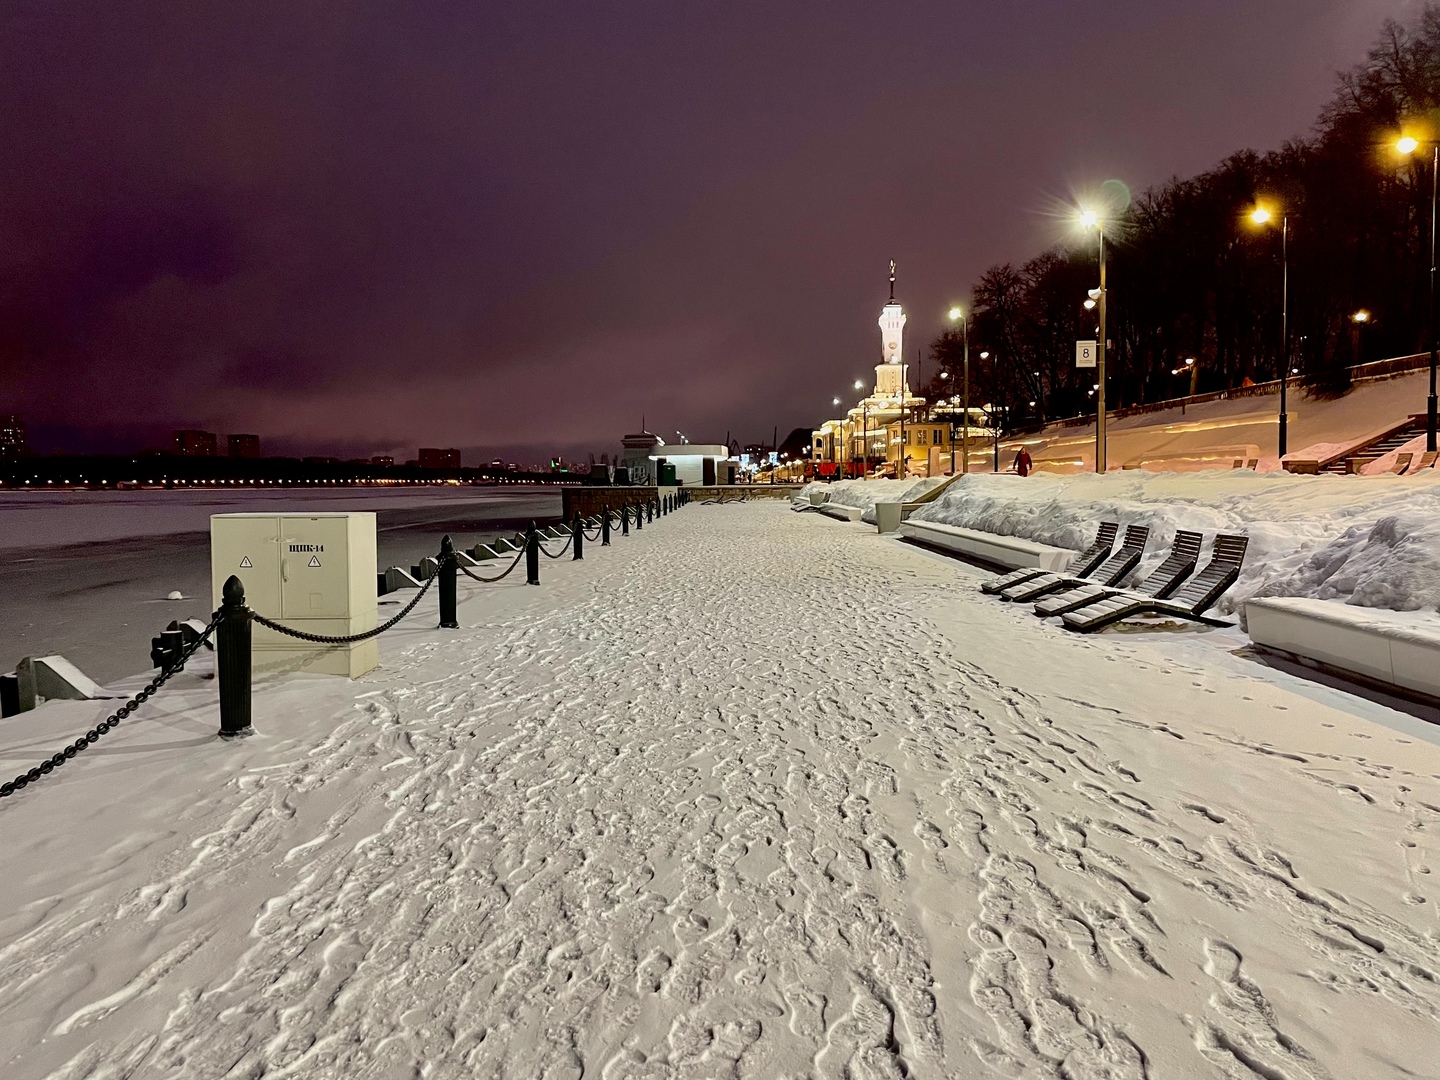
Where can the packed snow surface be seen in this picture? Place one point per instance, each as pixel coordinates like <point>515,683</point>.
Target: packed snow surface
<point>1370,541</point>
<point>747,794</point>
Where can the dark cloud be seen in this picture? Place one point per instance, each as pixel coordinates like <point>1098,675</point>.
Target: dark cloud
<point>516,227</point>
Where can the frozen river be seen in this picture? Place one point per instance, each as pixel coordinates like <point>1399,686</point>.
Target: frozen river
<point>749,794</point>
<point>86,574</point>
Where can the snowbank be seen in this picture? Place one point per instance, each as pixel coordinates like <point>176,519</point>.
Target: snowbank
<point>1369,541</point>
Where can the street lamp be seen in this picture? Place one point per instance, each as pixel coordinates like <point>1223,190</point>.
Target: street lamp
<point>1263,215</point>
<point>957,315</point>
<point>1407,145</point>
<point>1089,219</point>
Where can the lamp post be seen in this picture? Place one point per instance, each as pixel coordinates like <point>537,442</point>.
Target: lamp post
<point>1408,146</point>
<point>1260,216</point>
<point>864,431</point>
<point>835,439</point>
<point>1089,219</point>
<point>946,376</point>
<point>957,314</point>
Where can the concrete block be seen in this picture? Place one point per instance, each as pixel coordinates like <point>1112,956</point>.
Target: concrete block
<point>395,578</point>
<point>1386,647</point>
<point>888,516</point>
<point>1011,552</point>
<point>53,678</point>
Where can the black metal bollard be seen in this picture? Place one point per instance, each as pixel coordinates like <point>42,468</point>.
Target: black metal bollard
<point>649,509</point>
<point>605,525</point>
<point>577,537</point>
<point>532,556</point>
<point>449,565</point>
<point>639,518</point>
<point>232,660</point>
<point>624,521</point>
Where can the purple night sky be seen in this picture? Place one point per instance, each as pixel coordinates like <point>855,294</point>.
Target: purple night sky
<point>516,227</point>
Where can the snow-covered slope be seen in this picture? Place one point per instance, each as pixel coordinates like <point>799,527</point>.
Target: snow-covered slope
<point>1364,540</point>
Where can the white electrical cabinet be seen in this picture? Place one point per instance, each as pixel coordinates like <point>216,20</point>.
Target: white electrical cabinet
<point>313,572</point>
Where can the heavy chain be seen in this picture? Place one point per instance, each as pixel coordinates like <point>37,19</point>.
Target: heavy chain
<point>598,530</point>
<point>321,639</point>
<point>491,580</point>
<point>113,720</point>
<point>560,552</point>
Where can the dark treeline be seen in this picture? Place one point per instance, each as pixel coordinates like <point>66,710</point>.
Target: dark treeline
<point>1191,277</point>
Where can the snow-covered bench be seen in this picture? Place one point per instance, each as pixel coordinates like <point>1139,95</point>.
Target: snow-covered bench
<point>1010,552</point>
<point>1392,648</point>
<point>841,511</point>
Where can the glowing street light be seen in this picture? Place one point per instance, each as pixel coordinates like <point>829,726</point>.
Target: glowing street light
<point>956,315</point>
<point>1361,316</point>
<point>1260,216</point>
<point>1407,145</point>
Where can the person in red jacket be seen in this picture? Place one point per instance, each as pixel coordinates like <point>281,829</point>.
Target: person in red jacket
<point>1022,462</point>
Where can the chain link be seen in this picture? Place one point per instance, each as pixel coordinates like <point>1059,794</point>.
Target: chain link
<point>321,639</point>
<point>562,551</point>
<point>491,580</point>
<point>113,720</point>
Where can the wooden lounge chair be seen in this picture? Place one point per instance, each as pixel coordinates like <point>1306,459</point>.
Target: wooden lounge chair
<point>1159,583</point>
<point>1085,562</point>
<point>1402,462</point>
<point>1191,602</point>
<point>1427,461</point>
<point>1107,573</point>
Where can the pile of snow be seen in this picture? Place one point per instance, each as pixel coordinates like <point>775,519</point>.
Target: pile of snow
<point>1368,541</point>
<point>866,493</point>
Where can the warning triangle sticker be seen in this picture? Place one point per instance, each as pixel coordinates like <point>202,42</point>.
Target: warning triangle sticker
<point>314,561</point>
<point>246,564</point>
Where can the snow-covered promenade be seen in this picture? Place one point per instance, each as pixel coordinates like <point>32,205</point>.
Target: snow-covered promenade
<point>750,793</point>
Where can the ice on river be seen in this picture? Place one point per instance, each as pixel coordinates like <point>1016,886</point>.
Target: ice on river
<point>749,793</point>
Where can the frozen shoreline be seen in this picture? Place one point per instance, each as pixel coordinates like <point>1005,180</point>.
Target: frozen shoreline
<point>30,519</point>
<point>748,793</point>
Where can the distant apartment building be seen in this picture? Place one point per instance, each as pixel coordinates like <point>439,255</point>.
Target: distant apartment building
<point>243,446</point>
<point>12,437</point>
<point>382,459</point>
<point>433,458</point>
<point>195,443</point>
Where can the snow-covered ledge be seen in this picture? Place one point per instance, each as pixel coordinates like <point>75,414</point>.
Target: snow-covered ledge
<point>1397,648</point>
<point>1010,552</point>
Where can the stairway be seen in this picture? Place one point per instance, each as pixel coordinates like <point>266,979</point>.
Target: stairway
<point>1361,456</point>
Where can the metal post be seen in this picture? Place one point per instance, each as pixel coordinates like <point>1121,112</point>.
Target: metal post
<point>625,520</point>
<point>1100,462</point>
<point>605,525</point>
<point>1284,327</point>
<point>1434,197</point>
<point>448,572</point>
<point>532,556</point>
<point>577,538</point>
<point>965,401</point>
<point>232,661</point>
<point>639,518</point>
<point>649,510</point>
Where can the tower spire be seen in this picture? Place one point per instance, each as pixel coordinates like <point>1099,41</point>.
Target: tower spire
<point>892,281</point>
